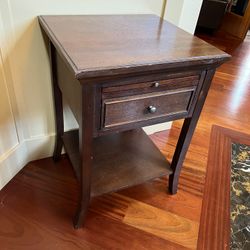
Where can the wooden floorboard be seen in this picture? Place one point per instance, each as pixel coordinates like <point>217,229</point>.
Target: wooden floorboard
<point>37,206</point>
<point>214,230</point>
<point>163,224</point>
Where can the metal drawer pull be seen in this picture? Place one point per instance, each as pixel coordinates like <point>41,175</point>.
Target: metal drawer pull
<point>156,84</point>
<point>151,109</point>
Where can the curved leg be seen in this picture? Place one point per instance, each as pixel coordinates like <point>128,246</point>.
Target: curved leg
<point>81,212</point>
<point>85,184</point>
<point>187,133</point>
<point>59,124</point>
<point>58,106</point>
<point>179,155</point>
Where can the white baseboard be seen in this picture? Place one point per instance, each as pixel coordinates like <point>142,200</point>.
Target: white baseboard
<point>38,148</point>
<point>29,150</point>
<point>157,128</point>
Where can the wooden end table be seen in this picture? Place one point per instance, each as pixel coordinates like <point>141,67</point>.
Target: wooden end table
<point>119,73</point>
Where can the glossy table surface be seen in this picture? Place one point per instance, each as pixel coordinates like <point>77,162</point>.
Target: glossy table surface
<point>117,51</point>
<point>114,44</point>
<point>41,221</point>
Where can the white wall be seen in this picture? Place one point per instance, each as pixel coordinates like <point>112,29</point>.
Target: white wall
<point>183,13</point>
<point>190,14</point>
<point>173,11</point>
<point>26,113</point>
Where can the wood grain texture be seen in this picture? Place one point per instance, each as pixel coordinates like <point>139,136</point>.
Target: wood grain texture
<point>132,109</point>
<point>162,224</point>
<point>36,207</point>
<point>71,92</point>
<point>237,25</point>
<point>76,39</point>
<point>85,153</point>
<point>120,160</point>
<point>43,206</point>
<point>172,82</point>
<point>214,230</point>
<point>100,46</point>
<point>226,105</point>
<point>186,133</point>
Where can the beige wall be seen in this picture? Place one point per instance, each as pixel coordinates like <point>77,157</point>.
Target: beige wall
<point>26,114</point>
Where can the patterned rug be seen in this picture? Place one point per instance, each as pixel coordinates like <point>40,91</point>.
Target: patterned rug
<point>240,197</point>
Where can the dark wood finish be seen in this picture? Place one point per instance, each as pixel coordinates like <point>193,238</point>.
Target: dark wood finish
<point>186,76</point>
<point>100,47</point>
<point>155,85</point>
<point>72,93</point>
<point>215,226</point>
<point>37,205</point>
<point>120,160</point>
<point>58,106</point>
<point>178,86</point>
<point>85,151</point>
<point>107,80</point>
<point>187,133</point>
<point>132,109</point>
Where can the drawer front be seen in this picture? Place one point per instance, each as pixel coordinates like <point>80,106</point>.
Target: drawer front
<point>131,109</point>
<point>152,86</point>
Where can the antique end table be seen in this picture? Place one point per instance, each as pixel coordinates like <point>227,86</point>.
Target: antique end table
<point>119,73</point>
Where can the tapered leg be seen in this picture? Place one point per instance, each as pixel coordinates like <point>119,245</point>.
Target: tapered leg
<point>58,106</point>
<point>187,133</point>
<point>180,152</point>
<point>86,153</point>
<point>82,210</point>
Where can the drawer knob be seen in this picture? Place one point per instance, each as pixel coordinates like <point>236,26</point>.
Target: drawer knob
<point>151,109</point>
<point>156,84</point>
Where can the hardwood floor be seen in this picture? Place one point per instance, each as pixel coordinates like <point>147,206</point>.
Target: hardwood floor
<point>36,207</point>
<point>227,105</point>
<point>214,232</point>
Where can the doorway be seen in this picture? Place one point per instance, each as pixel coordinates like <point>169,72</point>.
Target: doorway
<point>237,18</point>
<point>230,17</point>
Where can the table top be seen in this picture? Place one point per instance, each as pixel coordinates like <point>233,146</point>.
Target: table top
<point>104,45</point>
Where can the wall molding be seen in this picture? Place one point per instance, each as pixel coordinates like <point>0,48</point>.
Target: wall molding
<point>157,128</point>
<point>15,27</point>
<point>21,154</point>
<point>37,148</point>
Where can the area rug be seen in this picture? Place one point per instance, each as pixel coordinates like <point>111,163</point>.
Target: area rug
<point>225,215</point>
<point>240,197</point>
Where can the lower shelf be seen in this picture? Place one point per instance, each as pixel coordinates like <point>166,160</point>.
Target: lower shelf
<point>120,160</point>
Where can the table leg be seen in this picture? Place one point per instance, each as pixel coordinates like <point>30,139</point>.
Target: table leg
<point>86,153</point>
<point>187,133</point>
<point>58,106</point>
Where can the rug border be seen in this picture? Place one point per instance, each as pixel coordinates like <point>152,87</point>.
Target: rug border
<point>214,231</point>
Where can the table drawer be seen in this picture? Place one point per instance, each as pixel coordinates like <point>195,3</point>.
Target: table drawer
<point>168,83</point>
<point>131,109</point>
